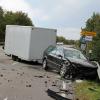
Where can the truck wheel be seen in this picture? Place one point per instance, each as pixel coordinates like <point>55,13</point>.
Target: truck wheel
<point>18,59</point>
<point>45,67</point>
<point>13,58</point>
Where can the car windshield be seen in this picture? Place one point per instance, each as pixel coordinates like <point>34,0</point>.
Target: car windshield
<point>74,54</point>
<point>50,48</point>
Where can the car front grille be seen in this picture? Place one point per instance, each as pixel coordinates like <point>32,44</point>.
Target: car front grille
<point>84,71</point>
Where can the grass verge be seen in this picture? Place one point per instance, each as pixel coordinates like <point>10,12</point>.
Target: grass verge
<point>87,90</point>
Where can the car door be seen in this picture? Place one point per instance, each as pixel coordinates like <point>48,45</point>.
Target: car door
<point>59,57</point>
<point>51,58</point>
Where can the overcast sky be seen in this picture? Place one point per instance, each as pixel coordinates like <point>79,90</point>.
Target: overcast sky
<point>67,16</point>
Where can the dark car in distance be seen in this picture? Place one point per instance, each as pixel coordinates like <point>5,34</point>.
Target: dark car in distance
<point>69,62</point>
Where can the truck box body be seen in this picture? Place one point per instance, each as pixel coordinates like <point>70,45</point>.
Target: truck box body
<point>27,42</point>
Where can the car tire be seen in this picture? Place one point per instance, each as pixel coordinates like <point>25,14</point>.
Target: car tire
<point>44,65</point>
<point>63,71</point>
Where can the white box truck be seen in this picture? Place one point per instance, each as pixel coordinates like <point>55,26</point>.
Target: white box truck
<point>28,42</point>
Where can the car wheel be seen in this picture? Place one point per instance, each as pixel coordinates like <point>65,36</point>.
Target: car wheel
<point>63,71</point>
<point>45,67</point>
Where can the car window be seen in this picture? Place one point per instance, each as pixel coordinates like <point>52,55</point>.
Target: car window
<point>53,51</point>
<point>59,51</point>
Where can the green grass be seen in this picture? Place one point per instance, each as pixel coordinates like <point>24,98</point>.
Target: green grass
<point>87,90</point>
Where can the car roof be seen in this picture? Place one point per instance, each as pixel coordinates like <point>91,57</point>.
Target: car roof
<point>67,48</point>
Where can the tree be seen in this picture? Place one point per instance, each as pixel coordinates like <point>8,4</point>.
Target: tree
<point>12,18</point>
<point>93,24</point>
<point>96,50</point>
<point>17,18</point>
<point>60,39</point>
<point>65,41</point>
<point>2,24</point>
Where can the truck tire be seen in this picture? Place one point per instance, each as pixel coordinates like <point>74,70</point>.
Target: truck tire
<point>18,59</point>
<point>14,58</point>
<point>44,64</point>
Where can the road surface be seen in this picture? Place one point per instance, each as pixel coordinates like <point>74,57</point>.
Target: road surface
<point>28,81</point>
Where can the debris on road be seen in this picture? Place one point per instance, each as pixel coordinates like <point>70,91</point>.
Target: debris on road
<point>79,81</point>
<point>48,77</point>
<point>1,75</point>
<point>21,74</point>
<point>60,90</point>
<point>45,83</point>
<point>9,81</point>
<point>29,85</point>
<point>39,76</point>
<point>54,84</point>
<point>92,89</point>
<point>56,96</point>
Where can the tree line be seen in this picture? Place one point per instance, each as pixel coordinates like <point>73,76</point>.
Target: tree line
<point>66,41</point>
<point>12,18</point>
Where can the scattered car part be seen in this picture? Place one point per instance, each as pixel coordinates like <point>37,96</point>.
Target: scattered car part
<point>55,96</point>
<point>45,67</point>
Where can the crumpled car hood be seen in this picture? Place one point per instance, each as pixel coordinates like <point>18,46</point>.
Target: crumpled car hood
<point>84,63</point>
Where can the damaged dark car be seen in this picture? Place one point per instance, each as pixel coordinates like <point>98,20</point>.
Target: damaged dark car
<point>70,62</point>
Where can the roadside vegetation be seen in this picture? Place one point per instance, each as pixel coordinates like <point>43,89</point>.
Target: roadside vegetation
<point>90,90</point>
<point>87,90</point>
<point>93,25</point>
<point>67,42</point>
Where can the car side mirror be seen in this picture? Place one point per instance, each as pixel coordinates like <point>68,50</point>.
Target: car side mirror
<point>60,56</point>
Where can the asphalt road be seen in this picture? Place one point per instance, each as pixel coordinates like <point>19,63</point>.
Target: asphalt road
<point>28,81</point>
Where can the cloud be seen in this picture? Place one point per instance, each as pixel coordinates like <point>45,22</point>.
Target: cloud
<point>22,5</point>
<point>14,5</point>
<point>64,9</point>
<point>68,16</point>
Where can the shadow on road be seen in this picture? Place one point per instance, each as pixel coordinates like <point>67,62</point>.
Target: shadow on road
<point>37,66</point>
